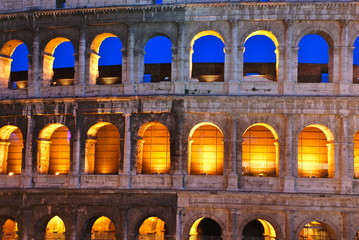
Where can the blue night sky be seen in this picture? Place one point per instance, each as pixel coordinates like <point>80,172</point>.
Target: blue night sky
<point>312,49</point>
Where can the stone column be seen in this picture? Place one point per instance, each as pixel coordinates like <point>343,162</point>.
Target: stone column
<point>5,69</point>
<point>4,150</point>
<point>232,173</point>
<point>179,216</point>
<point>232,65</point>
<point>81,66</point>
<point>47,69</point>
<point>73,228</point>
<point>290,164</point>
<point>346,59</point>
<point>280,66</point>
<point>289,54</point>
<point>75,173</point>
<point>124,225</point>
<point>125,181</point>
<point>289,229</point>
<point>28,170</point>
<point>334,66</point>
<point>34,83</point>
<point>128,62</point>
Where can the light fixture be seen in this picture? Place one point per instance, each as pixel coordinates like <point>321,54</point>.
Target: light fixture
<point>11,173</point>
<point>57,173</point>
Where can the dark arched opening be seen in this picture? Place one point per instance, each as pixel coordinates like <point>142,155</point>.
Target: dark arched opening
<point>19,67</point>
<point>259,229</point>
<point>64,61</point>
<point>205,229</point>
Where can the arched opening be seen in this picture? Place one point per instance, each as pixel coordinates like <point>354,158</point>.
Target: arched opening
<point>356,155</point>
<point>208,57</point>
<point>11,150</point>
<point>110,61</point>
<point>59,61</point>
<point>206,150</point>
<point>314,231</point>
<point>54,150</point>
<point>102,149</point>
<point>261,55</point>
<point>313,60</point>
<point>260,151</point>
<point>10,230</point>
<point>205,229</point>
<point>315,152</point>
<point>158,59</point>
<point>153,228</point>
<point>55,229</point>
<point>103,228</point>
<point>356,61</point>
<point>154,149</point>
<point>14,67</point>
<point>259,229</point>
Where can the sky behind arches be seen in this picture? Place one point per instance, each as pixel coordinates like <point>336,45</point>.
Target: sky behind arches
<point>312,49</point>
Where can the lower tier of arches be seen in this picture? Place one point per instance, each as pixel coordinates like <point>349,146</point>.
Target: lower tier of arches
<point>164,215</point>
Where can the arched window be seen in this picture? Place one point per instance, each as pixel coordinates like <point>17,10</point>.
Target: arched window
<point>315,152</point>
<point>54,150</point>
<point>260,55</point>
<point>259,229</point>
<point>356,155</point>
<point>158,59</point>
<point>314,230</point>
<point>103,228</point>
<point>208,66</point>
<point>205,228</point>
<point>260,151</point>
<point>55,229</point>
<point>11,150</point>
<point>9,230</point>
<point>206,150</point>
<point>153,228</point>
<point>154,149</point>
<point>106,60</point>
<point>356,61</point>
<point>313,59</point>
<point>14,59</point>
<point>59,60</point>
<point>102,149</point>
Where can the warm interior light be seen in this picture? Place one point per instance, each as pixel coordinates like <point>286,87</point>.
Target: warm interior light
<point>156,149</point>
<point>57,173</point>
<point>55,229</point>
<point>314,230</point>
<point>152,228</point>
<point>9,230</point>
<point>103,228</point>
<point>259,151</point>
<point>11,173</point>
<point>356,155</point>
<point>206,150</point>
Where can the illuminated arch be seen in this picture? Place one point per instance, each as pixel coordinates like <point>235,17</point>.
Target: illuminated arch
<point>260,151</point>
<point>314,230</point>
<point>10,230</point>
<point>55,229</point>
<point>207,71</point>
<point>153,228</point>
<point>154,149</point>
<point>259,229</point>
<point>271,70</point>
<point>103,228</point>
<point>205,150</point>
<point>53,156</point>
<point>102,149</point>
<point>356,155</point>
<point>103,75</point>
<point>48,65</point>
<point>11,148</point>
<point>7,74</point>
<point>205,228</point>
<point>316,152</point>
<point>158,59</point>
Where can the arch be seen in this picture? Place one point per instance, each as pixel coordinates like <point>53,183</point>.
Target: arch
<point>158,59</point>
<point>356,61</point>
<point>10,230</point>
<point>105,72</point>
<point>154,149</point>
<point>208,70</point>
<point>259,229</point>
<point>103,228</point>
<point>316,152</point>
<point>152,228</point>
<point>11,150</point>
<point>58,75</point>
<point>55,229</point>
<point>263,64</point>
<point>205,150</point>
<point>260,151</point>
<point>205,228</point>
<point>315,230</point>
<point>14,64</point>
<point>102,149</point>
<point>313,58</point>
<point>356,155</point>
<point>53,155</point>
